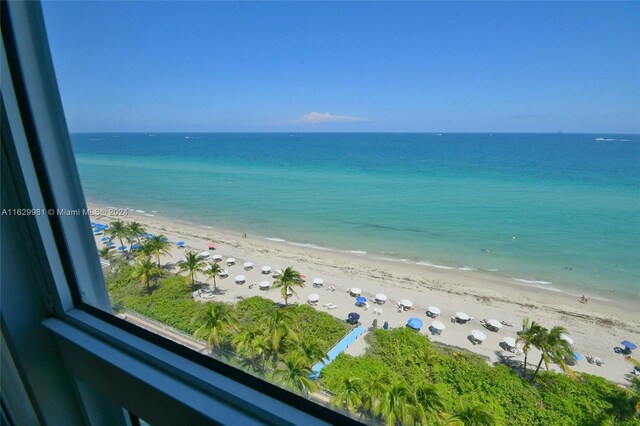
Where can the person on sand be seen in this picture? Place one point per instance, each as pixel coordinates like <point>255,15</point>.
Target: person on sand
<point>583,299</point>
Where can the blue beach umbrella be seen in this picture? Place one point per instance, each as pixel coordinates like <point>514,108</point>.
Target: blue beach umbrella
<point>104,239</point>
<point>361,300</point>
<point>627,344</point>
<point>148,235</point>
<point>165,239</point>
<point>111,244</point>
<point>577,356</point>
<point>180,243</point>
<point>135,246</point>
<point>353,317</point>
<point>122,248</point>
<point>415,323</point>
<point>97,232</point>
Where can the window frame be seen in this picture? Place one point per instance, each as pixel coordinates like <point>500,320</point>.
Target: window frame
<point>96,346</point>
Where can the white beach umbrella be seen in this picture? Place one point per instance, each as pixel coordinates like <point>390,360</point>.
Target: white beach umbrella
<point>266,269</point>
<point>437,325</point>
<point>277,272</point>
<point>510,341</point>
<point>494,323</point>
<point>318,281</point>
<point>240,279</point>
<point>406,303</point>
<point>381,297</point>
<point>204,254</point>
<point>478,335</point>
<point>216,257</point>
<point>223,273</point>
<point>356,291</point>
<point>248,266</point>
<point>462,316</point>
<point>231,261</point>
<point>264,285</point>
<point>434,310</point>
<point>314,297</point>
<point>566,338</point>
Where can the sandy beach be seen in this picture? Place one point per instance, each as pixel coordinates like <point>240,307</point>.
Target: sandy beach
<point>596,327</point>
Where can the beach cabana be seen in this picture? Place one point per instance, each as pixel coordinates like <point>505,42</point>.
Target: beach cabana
<point>240,279</point>
<point>478,336</point>
<point>461,317</point>
<point>318,282</point>
<point>355,291</point>
<point>360,301</point>
<point>216,258</point>
<point>437,327</point>
<point>353,317</point>
<point>264,285</point>
<point>204,254</point>
<point>248,266</point>
<point>433,311</point>
<point>415,323</point>
<point>567,339</point>
<point>381,298</point>
<point>406,304</point>
<point>266,269</point>
<point>494,325</point>
<point>231,261</point>
<point>313,298</point>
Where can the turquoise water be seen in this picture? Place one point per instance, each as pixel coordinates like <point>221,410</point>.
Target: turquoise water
<point>572,202</point>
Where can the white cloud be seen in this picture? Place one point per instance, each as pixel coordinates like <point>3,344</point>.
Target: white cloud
<point>326,117</point>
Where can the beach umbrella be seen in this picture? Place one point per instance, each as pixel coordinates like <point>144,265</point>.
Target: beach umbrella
<point>104,239</point>
<point>248,266</point>
<point>318,281</point>
<point>231,261</point>
<point>462,316</point>
<point>240,279</point>
<point>135,246</point>
<point>406,303</point>
<point>303,276</point>
<point>361,300</point>
<point>510,341</point>
<point>355,291</point>
<point>415,323</point>
<point>314,297</point>
<point>264,285</point>
<point>437,325</point>
<point>122,248</point>
<point>354,316</point>
<point>223,273</point>
<point>212,246</point>
<point>179,243</point>
<point>148,235</point>
<point>216,258</point>
<point>566,338</point>
<point>381,297</point>
<point>205,254</point>
<point>266,269</point>
<point>165,239</point>
<point>577,356</point>
<point>433,310</point>
<point>98,232</point>
<point>478,335</point>
<point>111,244</point>
<point>627,344</point>
<point>494,323</point>
<point>277,272</point>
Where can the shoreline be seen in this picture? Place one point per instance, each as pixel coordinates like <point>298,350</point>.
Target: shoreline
<point>596,327</point>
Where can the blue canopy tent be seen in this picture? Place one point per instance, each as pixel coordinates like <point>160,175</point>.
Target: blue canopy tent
<point>415,323</point>
<point>353,318</point>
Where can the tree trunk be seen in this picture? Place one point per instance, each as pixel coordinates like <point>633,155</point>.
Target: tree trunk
<point>524,371</point>
<point>215,289</point>
<point>535,373</point>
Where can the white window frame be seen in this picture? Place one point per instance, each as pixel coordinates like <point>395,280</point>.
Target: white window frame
<point>110,363</point>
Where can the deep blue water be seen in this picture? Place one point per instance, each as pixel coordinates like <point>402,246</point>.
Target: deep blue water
<point>572,202</point>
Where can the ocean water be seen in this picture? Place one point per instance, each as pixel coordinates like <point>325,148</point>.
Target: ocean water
<point>557,211</point>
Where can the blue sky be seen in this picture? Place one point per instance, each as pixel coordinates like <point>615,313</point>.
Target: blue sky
<point>434,67</point>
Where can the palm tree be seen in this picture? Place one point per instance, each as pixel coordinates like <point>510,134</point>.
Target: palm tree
<point>147,250</point>
<point>215,319</point>
<point>144,270</point>
<point>428,403</point>
<point>106,254</point>
<point>160,245</point>
<point>192,263</point>
<point>527,337</point>
<point>553,348</point>
<point>395,407</point>
<point>473,415</point>
<point>213,271</point>
<point>136,231</point>
<point>349,395</point>
<point>246,342</point>
<point>117,229</point>
<point>280,326</point>
<point>295,375</point>
<point>287,281</point>
<point>376,389</point>
<point>311,349</point>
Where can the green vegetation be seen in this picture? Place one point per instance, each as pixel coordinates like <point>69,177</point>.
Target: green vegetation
<point>462,386</point>
<point>286,281</point>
